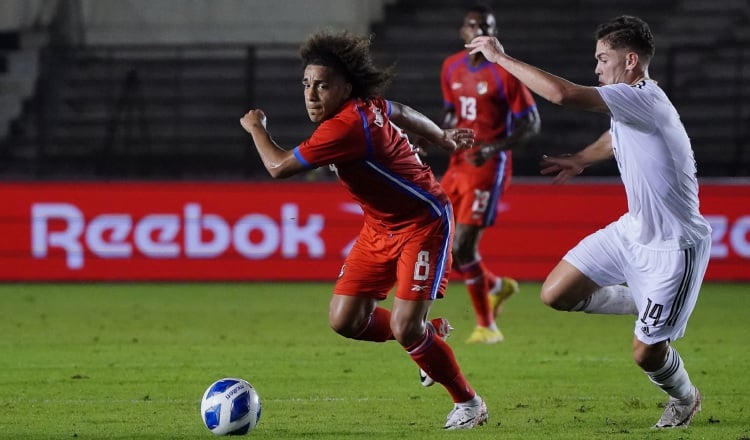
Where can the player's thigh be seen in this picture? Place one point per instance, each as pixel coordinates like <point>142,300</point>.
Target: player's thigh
<point>370,268</point>
<point>476,193</point>
<point>424,262</point>
<point>566,286</point>
<point>601,256</point>
<point>665,285</point>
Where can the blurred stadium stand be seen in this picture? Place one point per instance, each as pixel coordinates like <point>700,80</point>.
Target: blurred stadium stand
<point>81,103</point>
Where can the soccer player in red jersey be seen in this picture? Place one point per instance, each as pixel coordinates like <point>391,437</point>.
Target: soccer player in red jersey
<point>484,97</point>
<point>408,220</point>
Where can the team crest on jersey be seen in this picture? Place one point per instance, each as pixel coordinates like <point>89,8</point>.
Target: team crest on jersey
<point>482,87</point>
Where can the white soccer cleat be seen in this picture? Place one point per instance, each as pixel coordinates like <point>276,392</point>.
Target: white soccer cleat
<point>467,417</point>
<point>679,413</point>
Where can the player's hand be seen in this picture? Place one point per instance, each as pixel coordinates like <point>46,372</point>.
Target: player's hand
<point>420,145</point>
<point>479,156</point>
<point>253,119</point>
<point>457,139</point>
<point>489,46</point>
<point>564,167</point>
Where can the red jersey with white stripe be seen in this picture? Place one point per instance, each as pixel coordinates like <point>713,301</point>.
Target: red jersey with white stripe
<point>376,163</point>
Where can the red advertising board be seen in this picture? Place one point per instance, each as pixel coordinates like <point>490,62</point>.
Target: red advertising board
<point>294,231</point>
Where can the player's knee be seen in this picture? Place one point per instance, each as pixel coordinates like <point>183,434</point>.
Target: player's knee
<point>407,333</point>
<point>461,258</point>
<point>552,298</point>
<point>650,357</point>
<point>343,326</point>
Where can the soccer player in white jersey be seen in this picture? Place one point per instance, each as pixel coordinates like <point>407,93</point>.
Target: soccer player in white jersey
<point>651,261</point>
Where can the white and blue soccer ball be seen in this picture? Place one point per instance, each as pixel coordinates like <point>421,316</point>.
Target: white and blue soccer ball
<point>230,406</point>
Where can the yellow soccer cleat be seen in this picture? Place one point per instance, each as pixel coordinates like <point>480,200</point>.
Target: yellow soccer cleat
<point>501,291</point>
<point>484,335</point>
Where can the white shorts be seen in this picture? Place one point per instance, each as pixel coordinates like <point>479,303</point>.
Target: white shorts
<point>664,283</point>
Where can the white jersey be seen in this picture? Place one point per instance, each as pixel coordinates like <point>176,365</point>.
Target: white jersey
<point>657,167</point>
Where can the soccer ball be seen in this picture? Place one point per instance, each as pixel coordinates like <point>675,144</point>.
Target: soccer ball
<point>230,407</point>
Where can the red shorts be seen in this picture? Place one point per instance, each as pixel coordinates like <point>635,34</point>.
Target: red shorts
<point>418,263</point>
<point>476,191</point>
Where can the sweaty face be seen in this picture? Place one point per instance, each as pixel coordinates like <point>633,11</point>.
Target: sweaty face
<point>325,92</point>
<point>611,64</point>
<point>476,25</point>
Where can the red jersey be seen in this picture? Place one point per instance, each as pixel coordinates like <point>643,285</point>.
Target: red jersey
<point>484,97</point>
<point>376,163</point>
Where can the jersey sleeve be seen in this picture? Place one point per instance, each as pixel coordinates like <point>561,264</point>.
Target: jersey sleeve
<point>383,104</point>
<point>519,97</point>
<point>628,104</point>
<point>334,141</point>
<point>445,86</point>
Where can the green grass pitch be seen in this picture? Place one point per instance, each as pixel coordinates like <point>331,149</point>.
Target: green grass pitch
<point>131,361</point>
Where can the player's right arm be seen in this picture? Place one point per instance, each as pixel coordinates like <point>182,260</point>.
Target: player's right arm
<point>279,163</point>
<point>553,88</point>
<point>570,165</point>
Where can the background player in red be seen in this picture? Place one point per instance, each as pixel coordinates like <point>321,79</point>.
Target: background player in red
<point>482,96</point>
<point>408,219</point>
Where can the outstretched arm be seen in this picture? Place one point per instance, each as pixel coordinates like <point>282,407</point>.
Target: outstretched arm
<point>415,122</point>
<point>278,162</point>
<point>571,165</point>
<point>550,87</point>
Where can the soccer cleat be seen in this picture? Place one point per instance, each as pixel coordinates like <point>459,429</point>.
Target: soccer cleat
<point>467,417</point>
<point>485,335</point>
<point>442,329</point>
<point>502,290</point>
<point>679,413</point>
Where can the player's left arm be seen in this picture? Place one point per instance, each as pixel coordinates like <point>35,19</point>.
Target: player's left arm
<point>415,122</point>
<point>527,126</point>
<point>279,163</point>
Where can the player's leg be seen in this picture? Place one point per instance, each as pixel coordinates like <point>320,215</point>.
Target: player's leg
<point>490,188</point>
<point>568,289</point>
<point>664,367</point>
<point>500,289</point>
<point>459,184</point>
<point>667,290</point>
<point>589,277</point>
<point>436,358</point>
<point>359,317</point>
<point>366,277</point>
<point>469,265</point>
<point>423,267</point>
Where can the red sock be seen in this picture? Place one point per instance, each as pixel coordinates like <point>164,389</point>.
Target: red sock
<point>436,358</point>
<point>378,328</point>
<point>492,279</point>
<point>476,284</point>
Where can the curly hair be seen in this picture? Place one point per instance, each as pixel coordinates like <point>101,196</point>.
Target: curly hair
<point>349,55</point>
<point>629,32</point>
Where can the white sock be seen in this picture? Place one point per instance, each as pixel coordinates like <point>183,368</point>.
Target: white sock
<point>672,377</point>
<point>609,300</point>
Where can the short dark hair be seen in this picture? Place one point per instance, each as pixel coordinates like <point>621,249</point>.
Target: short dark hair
<point>485,11</point>
<point>349,55</point>
<point>627,31</point>
<point>481,8</point>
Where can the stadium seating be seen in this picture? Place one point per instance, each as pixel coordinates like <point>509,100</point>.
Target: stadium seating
<point>172,111</point>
